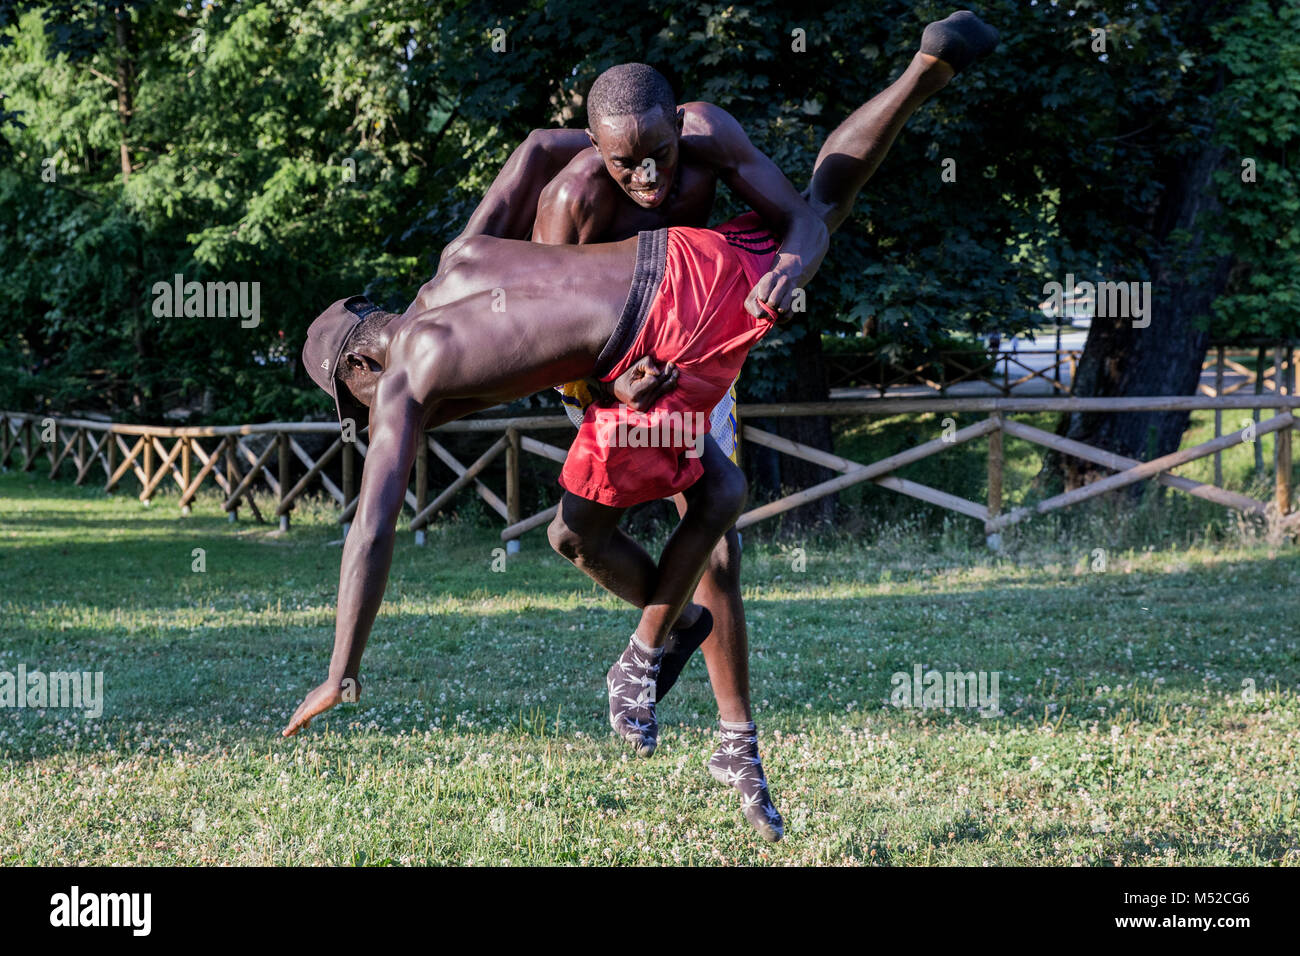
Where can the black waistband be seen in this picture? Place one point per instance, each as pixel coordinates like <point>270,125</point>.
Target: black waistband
<point>651,261</point>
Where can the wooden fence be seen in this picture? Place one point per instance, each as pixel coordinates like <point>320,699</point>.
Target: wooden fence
<point>1009,371</point>
<point>246,461</point>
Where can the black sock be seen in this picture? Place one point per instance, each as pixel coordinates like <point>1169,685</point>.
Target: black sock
<point>678,650</point>
<point>959,40</point>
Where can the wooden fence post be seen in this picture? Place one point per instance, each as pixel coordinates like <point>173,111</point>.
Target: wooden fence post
<point>29,453</point>
<point>282,441</point>
<point>186,467</point>
<point>148,468</point>
<point>421,485</point>
<point>514,506</point>
<point>1056,357</point>
<point>110,439</point>
<point>1282,440</point>
<point>991,537</point>
<point>1218,416</point>
<point>349,489</point>
<point>232,476</point>
<point>1254,412</point>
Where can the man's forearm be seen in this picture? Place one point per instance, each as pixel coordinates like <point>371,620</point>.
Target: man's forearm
<point>805,242</point>
<point>367,558</point>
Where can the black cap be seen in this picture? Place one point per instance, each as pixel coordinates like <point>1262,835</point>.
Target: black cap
<point>327,340</point>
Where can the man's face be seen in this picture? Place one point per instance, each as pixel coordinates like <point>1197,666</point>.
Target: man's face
<point>361,377</point>
<point>640,152</point>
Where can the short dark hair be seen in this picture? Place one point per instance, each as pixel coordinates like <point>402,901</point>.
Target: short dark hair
<point>628,89</point>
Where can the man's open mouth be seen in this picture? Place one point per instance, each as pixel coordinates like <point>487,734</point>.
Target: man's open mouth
<point>649,195</point>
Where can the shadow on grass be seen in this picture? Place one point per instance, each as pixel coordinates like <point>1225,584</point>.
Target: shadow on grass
<point>1076,648</point>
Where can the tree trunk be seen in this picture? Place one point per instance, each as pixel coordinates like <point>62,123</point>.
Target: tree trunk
<point>1164,358</point>
<point>809,385</point>
<point>125,82</point>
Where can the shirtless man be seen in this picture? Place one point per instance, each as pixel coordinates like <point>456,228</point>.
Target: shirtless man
<point>652,162</point>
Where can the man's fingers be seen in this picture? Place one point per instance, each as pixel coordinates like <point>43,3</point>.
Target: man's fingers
<point>664,384</point>
<point>298,721</point>
<point>762,292</point>
<point>781,293</point>
<point>773,290</point>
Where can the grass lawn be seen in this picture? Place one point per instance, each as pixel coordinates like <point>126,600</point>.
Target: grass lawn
<point>1125,735</point>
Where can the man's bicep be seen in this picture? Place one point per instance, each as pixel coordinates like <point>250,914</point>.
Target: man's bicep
<point>746,170</point>
<point>760,183</point>
<point>395,431</point>
<point>509,206</point>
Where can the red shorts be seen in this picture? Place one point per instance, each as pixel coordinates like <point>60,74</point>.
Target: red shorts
<point>694,317</point>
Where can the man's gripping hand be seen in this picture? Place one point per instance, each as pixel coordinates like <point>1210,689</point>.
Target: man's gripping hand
<point>329,694</point>
<point>644,384</point>
<point>775,290</point>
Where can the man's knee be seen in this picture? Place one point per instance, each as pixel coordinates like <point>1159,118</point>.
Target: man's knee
<point>725,493</point>
<point>566,542</point>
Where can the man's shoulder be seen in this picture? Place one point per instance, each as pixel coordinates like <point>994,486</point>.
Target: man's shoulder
<point>710,135</point>
<point>702,117</point>
<point>582,179</point>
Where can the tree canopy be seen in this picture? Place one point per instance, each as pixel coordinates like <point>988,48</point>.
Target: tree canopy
<point>321,149</point>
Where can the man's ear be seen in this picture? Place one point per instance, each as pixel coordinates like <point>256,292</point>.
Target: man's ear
<point>361,362</point>
<point>592,136</point>
<point>681,118</point>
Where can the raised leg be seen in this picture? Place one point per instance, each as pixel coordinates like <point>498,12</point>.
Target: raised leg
<point>852,153</point>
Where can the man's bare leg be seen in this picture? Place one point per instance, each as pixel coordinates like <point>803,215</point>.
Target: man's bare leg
<point>632,681</point>
<point>588,534</point>
<point>726,649</point>
<point>852,153</point>
<point>707,516</point>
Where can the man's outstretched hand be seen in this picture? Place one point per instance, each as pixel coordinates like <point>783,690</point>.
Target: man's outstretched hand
<point>329,694</point>
<point>645,383</point>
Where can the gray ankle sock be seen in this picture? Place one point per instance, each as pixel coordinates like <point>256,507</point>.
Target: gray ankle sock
<point>737,764</point>
<point>631,685</point>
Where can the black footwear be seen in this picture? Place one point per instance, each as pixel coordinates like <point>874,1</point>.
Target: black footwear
<point>678,650</point>
<point>959,39</point>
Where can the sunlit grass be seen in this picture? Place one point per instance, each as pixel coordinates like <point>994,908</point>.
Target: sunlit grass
<point>1126,733</point>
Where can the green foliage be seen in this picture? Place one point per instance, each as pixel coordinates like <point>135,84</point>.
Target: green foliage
<point>1260,127</point>
<point>248,120</point>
